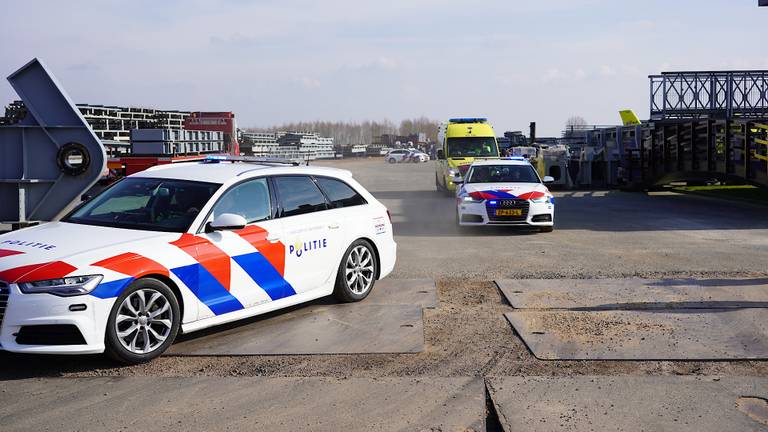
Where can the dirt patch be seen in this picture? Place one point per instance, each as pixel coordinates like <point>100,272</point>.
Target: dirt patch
<point>755,407</point>
<point>594,327</point>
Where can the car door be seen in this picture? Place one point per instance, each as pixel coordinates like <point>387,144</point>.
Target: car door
<point>312,236</point>
<point>243,268</point>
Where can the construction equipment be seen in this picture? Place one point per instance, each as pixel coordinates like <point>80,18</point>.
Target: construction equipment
<point>50,157</point>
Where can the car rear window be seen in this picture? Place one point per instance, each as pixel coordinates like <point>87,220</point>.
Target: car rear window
<point>299,195</point>
<point>340,193</point>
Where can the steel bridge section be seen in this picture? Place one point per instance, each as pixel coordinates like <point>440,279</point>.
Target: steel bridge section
<point>50,157</point>
<point>713,94</point>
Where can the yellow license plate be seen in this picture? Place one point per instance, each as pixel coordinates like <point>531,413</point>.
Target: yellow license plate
<point>509,212</point>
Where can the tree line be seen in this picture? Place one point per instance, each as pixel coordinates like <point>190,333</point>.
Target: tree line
<point>346,133</point>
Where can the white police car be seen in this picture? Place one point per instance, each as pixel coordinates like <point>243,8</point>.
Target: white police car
<point>505,191</point>
<point>187,246</point>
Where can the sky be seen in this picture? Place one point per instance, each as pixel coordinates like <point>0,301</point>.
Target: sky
<point>274,62</point>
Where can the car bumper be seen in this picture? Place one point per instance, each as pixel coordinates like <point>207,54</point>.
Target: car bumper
<point>472,214</point>
<point>387,258</point>
<point>26,313</point>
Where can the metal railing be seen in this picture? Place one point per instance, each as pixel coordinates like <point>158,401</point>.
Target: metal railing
<point>721,95</point>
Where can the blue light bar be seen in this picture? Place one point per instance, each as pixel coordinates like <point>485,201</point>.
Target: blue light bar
<point>468,120</point>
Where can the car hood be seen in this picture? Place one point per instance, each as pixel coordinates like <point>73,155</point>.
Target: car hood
<point>505,190</point>
<point>78,245</point>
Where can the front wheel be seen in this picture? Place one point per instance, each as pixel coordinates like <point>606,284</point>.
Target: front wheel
<point>391,160</point>
<point>357,272</point>
<point>144,321</point>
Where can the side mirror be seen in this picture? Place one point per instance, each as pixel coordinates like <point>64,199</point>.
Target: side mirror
<point>226,221</point>
<point>549,179</point>
<point>440,154</point>
<point>458,180</point>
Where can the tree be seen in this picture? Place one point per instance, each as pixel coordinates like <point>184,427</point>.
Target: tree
<point>575,122</point>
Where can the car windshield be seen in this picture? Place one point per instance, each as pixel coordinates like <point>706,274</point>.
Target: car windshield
<point>503,174</point>
<point>473,147</point>
<point>146,204</point>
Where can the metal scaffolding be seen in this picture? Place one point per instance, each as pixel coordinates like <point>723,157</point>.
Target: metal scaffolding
<point>715,95</point>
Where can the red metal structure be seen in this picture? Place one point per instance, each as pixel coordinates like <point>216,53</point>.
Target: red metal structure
<point>216,121</point>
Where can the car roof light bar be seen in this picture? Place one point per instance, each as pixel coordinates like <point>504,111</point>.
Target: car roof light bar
<point>249,159</point>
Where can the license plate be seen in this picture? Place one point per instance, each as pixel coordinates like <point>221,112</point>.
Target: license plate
<point>509,212</point>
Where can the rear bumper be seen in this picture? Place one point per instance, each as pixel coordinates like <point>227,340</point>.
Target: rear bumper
<point>25,310</point>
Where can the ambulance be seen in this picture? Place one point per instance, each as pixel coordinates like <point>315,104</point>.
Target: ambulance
<point>461,141</point>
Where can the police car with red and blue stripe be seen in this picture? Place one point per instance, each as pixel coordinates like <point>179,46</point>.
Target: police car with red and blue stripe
<point>181,247</point>
<point>505,191</point>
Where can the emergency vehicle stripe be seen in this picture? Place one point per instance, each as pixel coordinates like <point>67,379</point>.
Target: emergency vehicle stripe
<point>265,275</point>
<point>207,288</point>
<point>112,288</point>
<point>8,252</point>
<point>273,252</point>
<point>531,195</point>
<point>132,264</point>
<point>36,272</point>
<point>213,259</point>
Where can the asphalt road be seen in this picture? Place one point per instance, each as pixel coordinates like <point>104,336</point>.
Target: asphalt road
<point>469,346</point>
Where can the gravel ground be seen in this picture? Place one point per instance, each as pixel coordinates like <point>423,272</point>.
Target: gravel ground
<point>599,234</point>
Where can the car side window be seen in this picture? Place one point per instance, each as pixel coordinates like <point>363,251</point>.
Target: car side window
<point>249,199</point>
<point>299,195</point>
<point>339,193</point>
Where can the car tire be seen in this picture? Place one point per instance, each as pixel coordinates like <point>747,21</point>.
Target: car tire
<point>357,272</point>
<point>135,308</point>
<point>546,229</point>
<point>391,160</point>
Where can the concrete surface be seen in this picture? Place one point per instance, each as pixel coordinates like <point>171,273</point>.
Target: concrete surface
<point>624,403</point>
<point>679,334</point>
<point>242,404</point>
<point>634,293</point>
<point>390,291</point>
<point>316,329</point>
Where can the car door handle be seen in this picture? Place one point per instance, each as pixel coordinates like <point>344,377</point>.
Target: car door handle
<point>273,238</point>
<point>333,226</point>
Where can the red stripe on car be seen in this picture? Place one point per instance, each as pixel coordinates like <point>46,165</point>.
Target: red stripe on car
<point>273,252</point>
<point>208,255</point>
<point>37,272</point>
<point>132,264</point>
<point>9,252</point>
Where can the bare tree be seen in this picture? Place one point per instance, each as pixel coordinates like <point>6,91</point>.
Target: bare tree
<point>575,122</point>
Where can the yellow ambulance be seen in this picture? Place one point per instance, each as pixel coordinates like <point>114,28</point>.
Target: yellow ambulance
<point>460,142</point>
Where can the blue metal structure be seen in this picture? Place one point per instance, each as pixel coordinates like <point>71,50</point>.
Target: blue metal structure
<point>49,158</point>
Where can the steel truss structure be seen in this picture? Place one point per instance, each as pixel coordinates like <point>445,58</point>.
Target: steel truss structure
<point>717,95</point>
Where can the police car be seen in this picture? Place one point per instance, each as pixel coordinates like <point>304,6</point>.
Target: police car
<point>181,247</point>
<point>504,191</point>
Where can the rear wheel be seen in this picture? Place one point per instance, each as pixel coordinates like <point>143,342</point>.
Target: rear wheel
<point>144,321</point>
<point>357,272</point>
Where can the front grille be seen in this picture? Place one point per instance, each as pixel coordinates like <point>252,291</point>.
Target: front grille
<point>508,204</point>
<point>5,291</point>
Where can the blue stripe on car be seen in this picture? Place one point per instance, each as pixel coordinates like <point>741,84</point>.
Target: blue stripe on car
<point>265,275</point>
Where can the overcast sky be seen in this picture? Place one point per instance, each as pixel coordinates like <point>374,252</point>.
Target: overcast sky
<point>274,61</point>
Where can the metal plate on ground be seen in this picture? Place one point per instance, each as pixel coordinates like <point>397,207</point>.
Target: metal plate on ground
<point>243,404</point>
<point>679,334</point>
<point>357,328</point>
<point>627,403</point>
<point>388,291</point>
<point>634,293</point>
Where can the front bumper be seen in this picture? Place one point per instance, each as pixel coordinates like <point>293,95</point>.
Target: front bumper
<point>473,214</point>
<point>49,310</point>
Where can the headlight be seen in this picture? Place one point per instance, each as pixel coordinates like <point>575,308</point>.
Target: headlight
<point>452,172</point>
<point>540,200</point>
<point>469,199</point>
<point>64,287</point>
